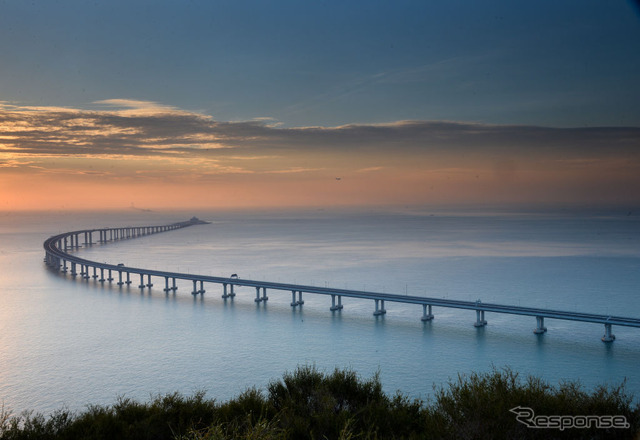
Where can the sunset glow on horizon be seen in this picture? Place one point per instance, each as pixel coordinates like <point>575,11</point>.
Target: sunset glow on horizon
<point>78,159</point>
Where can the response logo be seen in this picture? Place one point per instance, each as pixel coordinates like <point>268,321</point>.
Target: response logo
<point>527,417</point>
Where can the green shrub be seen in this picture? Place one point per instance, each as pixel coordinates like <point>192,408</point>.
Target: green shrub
<point>478,406</point>
<point>310,404</point>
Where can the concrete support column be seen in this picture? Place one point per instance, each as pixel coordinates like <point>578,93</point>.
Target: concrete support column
<point>195,289</point>
<point>64,266</point>
<point>608,337</point>
<point>149,283</point>
<point>166,284</point>
<point>480,321</point>
<point>540,328</point>
<point>110,276</point>
<point>224,291</point>
<point>101,275</point>
<point>300,302</point>
<point>128,279</point>
<point>201,291</point>
<point>141,285</point>
<point>294,303</point>
<point>379,310</point>
<point>335,306</point>
<point>232,294</point>
<point>95,275</point>
<point>258,299</point>
<point>73,270</point>
<point>174,287</point>
<point>120,283</point>
<point>427,314</point>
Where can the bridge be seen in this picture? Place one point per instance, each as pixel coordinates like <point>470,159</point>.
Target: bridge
<point>58,256</point>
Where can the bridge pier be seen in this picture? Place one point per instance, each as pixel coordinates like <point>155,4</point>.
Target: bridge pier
<point>141,285</point>
<point>379,310</point>
<point>110,276</point>
<point>335,307</point>
<point>540,328</point>
<point>300,301</point>
<point>120,283</point>
<point>195,288</point>
<point>201,291</point>
<point>294,303</point>
<point>232,294</point>
<point>128,282</point>
<point>427,314</point>
<point>224,291</point>
<point>480,321</point>
<point>608,337</point>
<point>264,294</point>
<point>101,275</point>
<point>174,287</point>
<point>73,270</point>
<point>166,285</point>
<point>95,275</point>
<point>149,283</point>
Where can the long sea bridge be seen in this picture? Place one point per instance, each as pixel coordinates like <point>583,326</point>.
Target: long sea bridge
<point>58,257</point>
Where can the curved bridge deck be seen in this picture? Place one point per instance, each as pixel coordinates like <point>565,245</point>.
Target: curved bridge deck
<point>57,256</point>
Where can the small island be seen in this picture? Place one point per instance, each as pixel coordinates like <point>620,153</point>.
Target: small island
<point>196,221</point>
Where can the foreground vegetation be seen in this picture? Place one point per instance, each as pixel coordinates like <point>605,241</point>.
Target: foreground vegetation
<point>310,404</point>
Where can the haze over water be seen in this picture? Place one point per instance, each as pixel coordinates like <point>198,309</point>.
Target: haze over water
<point>66,342</point>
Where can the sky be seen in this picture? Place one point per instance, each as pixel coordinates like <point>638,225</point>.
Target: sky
<point>246,103</point>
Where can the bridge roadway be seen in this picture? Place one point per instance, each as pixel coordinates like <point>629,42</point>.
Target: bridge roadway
<point>57,256</point>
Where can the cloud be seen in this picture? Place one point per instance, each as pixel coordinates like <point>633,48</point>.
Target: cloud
<point>369,170</point>
<point>139,140</point>
<point>135,128</point>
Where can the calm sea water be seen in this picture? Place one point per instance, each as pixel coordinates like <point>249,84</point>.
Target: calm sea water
<point>71,343</point>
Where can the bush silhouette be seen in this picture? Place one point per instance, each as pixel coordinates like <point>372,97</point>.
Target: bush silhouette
<point>311,404</point>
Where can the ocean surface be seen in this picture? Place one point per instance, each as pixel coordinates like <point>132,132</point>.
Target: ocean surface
<point>69,343</point>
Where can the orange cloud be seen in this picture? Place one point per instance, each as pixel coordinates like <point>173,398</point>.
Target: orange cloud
<point>161,156</point>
